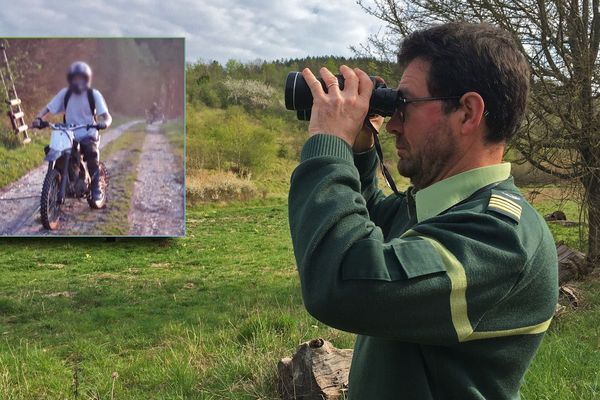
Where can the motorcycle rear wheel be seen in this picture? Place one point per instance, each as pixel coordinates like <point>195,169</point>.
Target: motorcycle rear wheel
<point>49,205</point>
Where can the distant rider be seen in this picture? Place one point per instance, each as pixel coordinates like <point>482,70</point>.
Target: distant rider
<point>82,105</point>
<point>155,111</point>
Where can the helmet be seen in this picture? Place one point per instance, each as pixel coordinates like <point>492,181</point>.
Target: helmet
<point>79,68</point>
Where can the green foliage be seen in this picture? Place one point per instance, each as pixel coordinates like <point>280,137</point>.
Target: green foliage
<point>228,140</point>
<point>237,121</point>
<point>17,159</point>
<point>204,80</point>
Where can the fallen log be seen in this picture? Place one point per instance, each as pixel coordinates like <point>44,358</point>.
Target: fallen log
<point>317,371</point>
<point>556,216</point>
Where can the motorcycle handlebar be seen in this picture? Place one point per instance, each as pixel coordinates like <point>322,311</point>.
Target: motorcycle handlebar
<point>45,124</point>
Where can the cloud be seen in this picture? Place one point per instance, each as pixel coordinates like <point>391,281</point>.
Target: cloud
<point>214,29</point>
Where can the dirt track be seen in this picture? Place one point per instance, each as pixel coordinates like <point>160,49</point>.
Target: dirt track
<point>19,201</point>
<point>158,198</point>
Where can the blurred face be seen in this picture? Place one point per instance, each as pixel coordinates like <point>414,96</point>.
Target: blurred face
<point>79,83</point>
<point>424,140</point>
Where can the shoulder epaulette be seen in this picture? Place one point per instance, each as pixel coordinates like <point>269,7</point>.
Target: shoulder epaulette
<point>507,204</point>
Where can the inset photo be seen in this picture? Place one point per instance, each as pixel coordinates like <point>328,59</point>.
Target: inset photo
<point>92,137</point>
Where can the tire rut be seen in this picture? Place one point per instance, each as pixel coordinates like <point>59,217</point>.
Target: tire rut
<point>158,203</point>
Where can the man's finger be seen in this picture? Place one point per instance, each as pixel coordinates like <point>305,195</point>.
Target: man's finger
<point>313,83</point>
<point>350,80</point>
<point>380,79</point>
<point>365,85</point>
<point>331,82</point>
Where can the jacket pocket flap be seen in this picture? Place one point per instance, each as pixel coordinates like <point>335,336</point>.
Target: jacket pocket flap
<point>418,257</point>
<point>402,259</point>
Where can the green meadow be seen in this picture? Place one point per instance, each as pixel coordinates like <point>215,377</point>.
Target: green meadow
<point>203,317</point>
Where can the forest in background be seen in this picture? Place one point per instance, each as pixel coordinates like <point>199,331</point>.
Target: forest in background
<point>241,141</point>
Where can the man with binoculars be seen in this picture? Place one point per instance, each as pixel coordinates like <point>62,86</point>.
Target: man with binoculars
<point>450,285</point>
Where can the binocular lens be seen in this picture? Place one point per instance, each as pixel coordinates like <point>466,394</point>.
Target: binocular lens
<point>298,96</point>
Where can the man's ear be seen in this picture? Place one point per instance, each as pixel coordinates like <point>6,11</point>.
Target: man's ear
<point>473,107</point>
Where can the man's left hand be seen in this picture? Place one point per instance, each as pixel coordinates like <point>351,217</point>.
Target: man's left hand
<point>339,112</point>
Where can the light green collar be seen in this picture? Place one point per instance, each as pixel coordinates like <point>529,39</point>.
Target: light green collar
<point>446,193</point>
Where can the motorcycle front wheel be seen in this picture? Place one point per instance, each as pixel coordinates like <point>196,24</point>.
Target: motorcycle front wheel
<point>49,204</point>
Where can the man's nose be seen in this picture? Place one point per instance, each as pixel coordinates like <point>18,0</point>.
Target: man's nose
<point>394,125</point>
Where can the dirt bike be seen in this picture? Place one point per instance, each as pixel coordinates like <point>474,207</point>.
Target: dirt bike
<point>68,175</point>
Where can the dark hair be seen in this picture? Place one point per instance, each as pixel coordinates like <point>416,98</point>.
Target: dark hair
<point>480,58</point>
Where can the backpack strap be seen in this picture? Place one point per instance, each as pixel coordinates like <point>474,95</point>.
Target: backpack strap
<point>68,94</point>
<point>91,101</point>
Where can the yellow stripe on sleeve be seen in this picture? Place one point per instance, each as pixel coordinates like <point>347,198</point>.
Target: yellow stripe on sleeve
<point>458,299</point>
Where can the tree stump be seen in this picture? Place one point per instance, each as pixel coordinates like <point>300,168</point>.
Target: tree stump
<point>571,263</point>
<point>317,371</point>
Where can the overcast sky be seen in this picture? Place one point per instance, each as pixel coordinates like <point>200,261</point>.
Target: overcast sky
<point>214,29</point>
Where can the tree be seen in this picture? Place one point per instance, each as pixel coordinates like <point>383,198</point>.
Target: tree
<point>560,39</point>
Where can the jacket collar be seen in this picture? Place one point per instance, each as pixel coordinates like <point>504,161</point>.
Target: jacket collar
<point>446,193</point>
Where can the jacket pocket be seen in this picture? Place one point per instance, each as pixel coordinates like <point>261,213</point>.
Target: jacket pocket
<point>400,259</point>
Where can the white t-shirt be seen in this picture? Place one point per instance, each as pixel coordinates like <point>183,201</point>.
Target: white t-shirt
<point>78,110</point>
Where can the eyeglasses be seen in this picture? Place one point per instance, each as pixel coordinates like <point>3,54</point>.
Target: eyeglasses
<point>401,109</point>
<point>403,102</point>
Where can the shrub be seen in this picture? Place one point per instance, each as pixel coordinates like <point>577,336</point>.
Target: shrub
<point>228,140</point>
<point>248,93</point>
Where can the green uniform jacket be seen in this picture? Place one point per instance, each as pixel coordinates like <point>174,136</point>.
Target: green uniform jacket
<point>450,289</point>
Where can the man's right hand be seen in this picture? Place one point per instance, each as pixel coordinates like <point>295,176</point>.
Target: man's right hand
<point>339,112</point>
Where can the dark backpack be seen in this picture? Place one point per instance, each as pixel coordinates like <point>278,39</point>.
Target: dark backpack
<point>91,100</point>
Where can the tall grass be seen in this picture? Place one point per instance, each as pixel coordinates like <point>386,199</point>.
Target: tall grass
<point>214,186</point>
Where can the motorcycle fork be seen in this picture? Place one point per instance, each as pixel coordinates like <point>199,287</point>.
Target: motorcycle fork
<point>65,178</point>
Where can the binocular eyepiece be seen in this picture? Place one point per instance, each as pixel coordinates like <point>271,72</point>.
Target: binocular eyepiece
<point>298,96</point>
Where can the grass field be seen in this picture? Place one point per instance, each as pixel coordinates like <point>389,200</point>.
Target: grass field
<point>204,317</point>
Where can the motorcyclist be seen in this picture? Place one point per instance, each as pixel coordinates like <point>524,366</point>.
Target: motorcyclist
<point>154,111</point>
<point>82,105</point>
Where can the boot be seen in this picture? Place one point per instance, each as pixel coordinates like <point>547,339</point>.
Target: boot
<point>97,194</point>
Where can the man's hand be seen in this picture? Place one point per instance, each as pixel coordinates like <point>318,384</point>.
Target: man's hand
<point>339,112</point>
<point>364,141</point>
<point>100,125</point>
